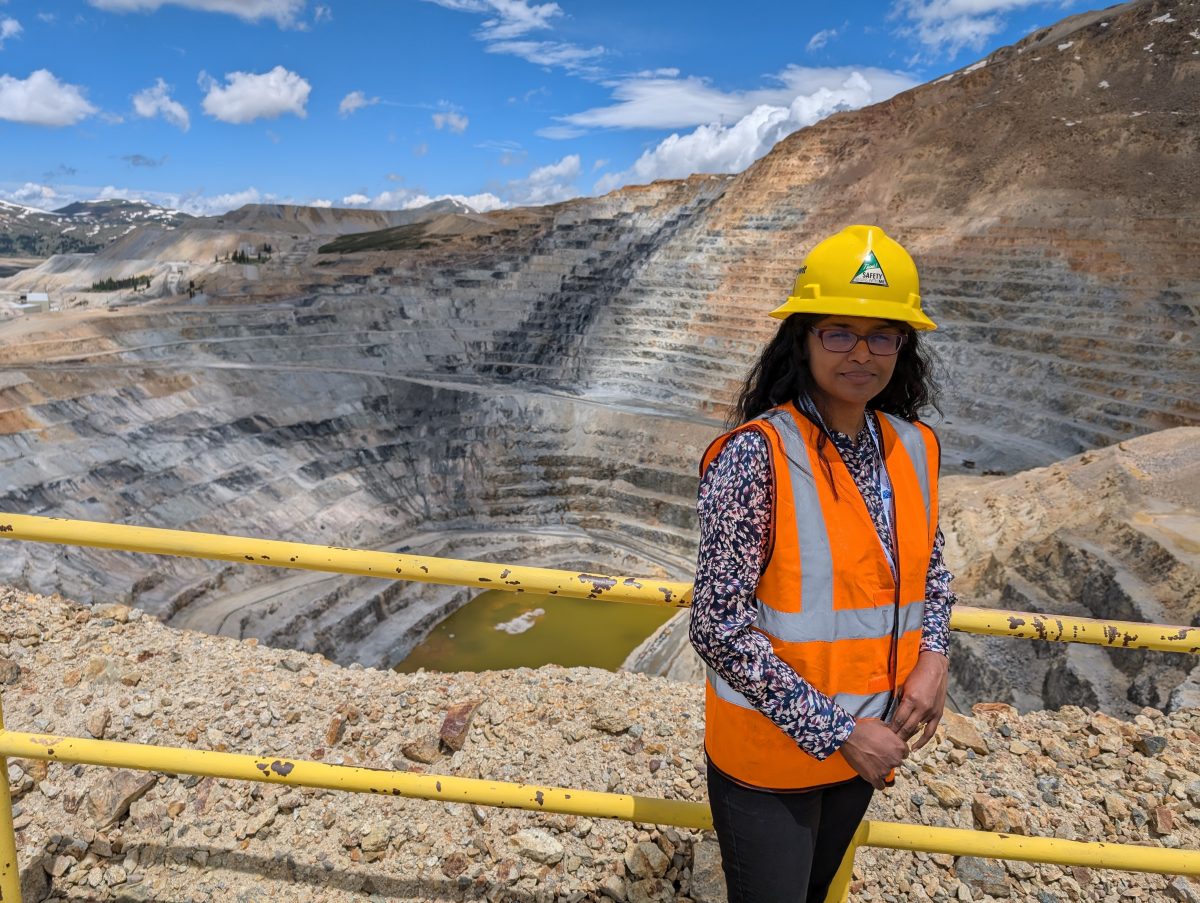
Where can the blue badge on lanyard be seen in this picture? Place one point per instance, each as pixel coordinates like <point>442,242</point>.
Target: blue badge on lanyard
<point>885,492</point>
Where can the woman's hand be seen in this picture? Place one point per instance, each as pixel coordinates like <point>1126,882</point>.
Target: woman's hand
<point>922,699</point>
<point>873,749</point>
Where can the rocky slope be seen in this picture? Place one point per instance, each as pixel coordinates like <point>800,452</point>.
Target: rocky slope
<point>1110,534</point>
<point>129,238</point>
<point>87,833</point>
<point>81,227</point>
<point>539,385</point>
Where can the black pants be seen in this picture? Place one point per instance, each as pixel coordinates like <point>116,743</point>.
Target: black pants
<point>783,847</point>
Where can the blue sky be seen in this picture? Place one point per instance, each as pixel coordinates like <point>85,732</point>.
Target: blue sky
<point>204,105</point>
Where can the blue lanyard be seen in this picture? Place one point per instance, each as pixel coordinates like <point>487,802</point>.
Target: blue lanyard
<point>885,491</point>
<point>881,474</point>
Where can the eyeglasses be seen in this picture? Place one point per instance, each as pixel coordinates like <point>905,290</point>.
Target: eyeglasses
<point>841,341</point>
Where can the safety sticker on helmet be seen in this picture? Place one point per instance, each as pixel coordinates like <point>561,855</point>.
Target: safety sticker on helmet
<point>870,273</point>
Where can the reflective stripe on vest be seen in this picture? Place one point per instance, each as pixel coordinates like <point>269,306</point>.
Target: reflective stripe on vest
<point>871,705</point>
<point>914,444</point>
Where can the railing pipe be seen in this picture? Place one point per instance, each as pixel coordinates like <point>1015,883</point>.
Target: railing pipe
<point>839,887</point>
<point>10,873</point>
<point>355,779</point>
<point>987,845</point>
<point>1059,629</point>
<point>646,810</point>
<point>517,578</point>
<point>339,560</point>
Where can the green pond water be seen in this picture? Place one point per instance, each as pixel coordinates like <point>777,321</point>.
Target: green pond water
<point>511,630</point>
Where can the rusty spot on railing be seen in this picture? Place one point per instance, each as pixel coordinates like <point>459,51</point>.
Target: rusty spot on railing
<point>600,583</point>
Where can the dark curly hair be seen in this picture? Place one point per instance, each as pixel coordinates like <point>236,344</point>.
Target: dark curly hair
<point>781,374</point>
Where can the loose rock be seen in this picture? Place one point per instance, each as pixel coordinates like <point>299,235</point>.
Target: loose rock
<point>538,845</point>
<point>962,732</point>
<point>456,724</point>
<point>109,800</point>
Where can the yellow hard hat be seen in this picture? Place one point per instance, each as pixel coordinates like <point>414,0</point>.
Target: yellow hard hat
<point>859,272</point>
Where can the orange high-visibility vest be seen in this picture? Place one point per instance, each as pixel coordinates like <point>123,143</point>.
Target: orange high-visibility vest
<point>827,600</point>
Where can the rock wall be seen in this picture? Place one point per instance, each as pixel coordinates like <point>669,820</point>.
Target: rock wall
<point>1109,534</point>
<point>349,415</point>
<point>538,384</point>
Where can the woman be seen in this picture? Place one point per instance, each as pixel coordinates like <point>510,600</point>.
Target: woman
<point>821,603</point>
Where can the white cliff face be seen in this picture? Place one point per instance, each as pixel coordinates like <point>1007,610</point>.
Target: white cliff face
<point>538,385</point>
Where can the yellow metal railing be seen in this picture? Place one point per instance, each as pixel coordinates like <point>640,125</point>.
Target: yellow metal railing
<point>389,565</point>
<point>447,788</point>
<point>987,845</point>
<point>516,578</point>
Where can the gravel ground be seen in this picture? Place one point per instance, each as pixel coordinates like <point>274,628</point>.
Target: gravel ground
<point>112,672</point>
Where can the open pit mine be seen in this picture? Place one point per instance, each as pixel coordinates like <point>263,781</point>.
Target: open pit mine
<point>536,386</point>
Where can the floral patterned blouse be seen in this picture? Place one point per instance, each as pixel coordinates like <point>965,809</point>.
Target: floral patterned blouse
<point>735,501</point>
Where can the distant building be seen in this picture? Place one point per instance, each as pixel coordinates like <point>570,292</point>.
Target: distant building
<point>35,301</point>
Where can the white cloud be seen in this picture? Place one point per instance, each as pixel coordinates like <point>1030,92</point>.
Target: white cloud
<point>322,13</point>
<point>197,202</point>
<point>284,12</point>
<point>421,150</point>
<point>509,18</point>
<point>560,132</point>
<point>452,121</point>
<point>247,96</point>
<point>661,103</point>
<point>512,20</point>
<point>320,202</point>
<point>948,26</point>
<point>821,38</point>
<point>9,28</point>
<point>33,194</point>
<point>407,199</point>
<point>715,148</point>
<point>355,101</point>
<point>42,99</point>
<point>571,57</point>
<point>544,185</point>
<point>547,184</point>
<point>156,101</point>
<point>480,203</point>
<point>213,205</point>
